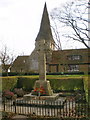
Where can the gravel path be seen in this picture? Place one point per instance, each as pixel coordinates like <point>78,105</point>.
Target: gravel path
<point>20,117</point>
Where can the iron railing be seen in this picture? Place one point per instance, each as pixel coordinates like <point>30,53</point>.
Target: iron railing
<point>59,109</point>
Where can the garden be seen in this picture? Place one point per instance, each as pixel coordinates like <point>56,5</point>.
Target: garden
<point>70,88</point>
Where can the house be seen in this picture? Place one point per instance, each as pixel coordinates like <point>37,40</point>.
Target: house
<point>71,60</point>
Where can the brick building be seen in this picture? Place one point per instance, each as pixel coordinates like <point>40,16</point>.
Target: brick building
<point>72,60</point>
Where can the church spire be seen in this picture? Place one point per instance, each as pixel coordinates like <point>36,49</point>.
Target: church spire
<point>45,30</point>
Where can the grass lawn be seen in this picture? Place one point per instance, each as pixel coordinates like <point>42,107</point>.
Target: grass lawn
<point>50,76</point>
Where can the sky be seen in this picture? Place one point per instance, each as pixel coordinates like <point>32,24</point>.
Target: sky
<point>20,23</point>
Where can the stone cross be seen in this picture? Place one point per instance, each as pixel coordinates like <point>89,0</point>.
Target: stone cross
<point>42,61</point>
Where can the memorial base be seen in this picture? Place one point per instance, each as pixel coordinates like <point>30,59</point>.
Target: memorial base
<point>42,91</point>
<point>42,88</point>
<point>34,97</point>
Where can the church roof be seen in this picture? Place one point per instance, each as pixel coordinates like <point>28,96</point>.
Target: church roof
<point>45,30</point>
<point>20,61</point>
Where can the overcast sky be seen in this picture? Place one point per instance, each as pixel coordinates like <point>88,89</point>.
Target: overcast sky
<point>20,22</point>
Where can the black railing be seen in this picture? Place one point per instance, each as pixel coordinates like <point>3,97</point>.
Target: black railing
<point>59,109</point>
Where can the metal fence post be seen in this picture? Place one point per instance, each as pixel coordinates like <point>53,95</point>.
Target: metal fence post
<point>4,103</point>
<point>15,105</point>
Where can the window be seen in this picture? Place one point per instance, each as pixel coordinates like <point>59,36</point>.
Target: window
<point>24,61</point>
<point>21,70</point>
<point>88,66</point>
<point>72,68</point>
<point>74,57</point>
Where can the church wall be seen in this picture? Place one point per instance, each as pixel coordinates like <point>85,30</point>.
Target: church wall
<point>19,64</point>
<point>32,62</point>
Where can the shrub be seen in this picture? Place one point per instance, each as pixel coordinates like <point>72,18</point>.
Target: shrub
<point>10,74</point>
<point>19,92</point>
<point>8,83</point>
<point>66,83</point>
<point>66,73</point>
<point>8,94</point>
<point>17,74</point>
<point>57,83</point>
<point>87,87</point>
<point>27,83</point>
<point>7,115</point>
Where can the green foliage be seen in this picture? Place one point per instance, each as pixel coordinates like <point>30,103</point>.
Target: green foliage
<point>67,84</point>
<point>66,73</point>
<point>19,92</point>
<point>7,115</point>
<point>26,83</point>
<point>17,73</point>
<point>57,82</point>
<point>86,81</point>
<point>8,83</point>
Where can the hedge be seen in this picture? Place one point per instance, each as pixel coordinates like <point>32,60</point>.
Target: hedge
<point>32,73</point>
<point>27,83</point>
<point>17,74</point>
<point>66,73</point>
<point>68,84</point>
<point>9,82</point>
<point>87,87</point>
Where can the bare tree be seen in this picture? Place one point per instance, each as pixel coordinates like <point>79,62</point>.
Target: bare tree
<point>74,15</point>
<point>56,35</point>
<point>6,58</point>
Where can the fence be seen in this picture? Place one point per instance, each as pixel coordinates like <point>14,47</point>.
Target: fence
<point>59,109</point>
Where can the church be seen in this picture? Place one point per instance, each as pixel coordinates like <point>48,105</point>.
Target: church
<point>63,61</point>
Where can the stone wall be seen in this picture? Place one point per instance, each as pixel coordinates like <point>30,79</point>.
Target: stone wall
<point>32,62</point>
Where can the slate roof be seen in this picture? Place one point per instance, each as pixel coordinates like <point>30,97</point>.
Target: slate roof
<point>61,56</point>
<point>45,29</point>
<point>20,61</point>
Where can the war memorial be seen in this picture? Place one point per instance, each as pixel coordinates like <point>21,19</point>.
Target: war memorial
<point>42,102</point>
<point>42,88</point>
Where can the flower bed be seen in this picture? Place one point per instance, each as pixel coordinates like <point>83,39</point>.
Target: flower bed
<point>8,94</point>
<point>39,91</point>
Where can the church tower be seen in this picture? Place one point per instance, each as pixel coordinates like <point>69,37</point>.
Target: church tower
<point>45,31</point>
<point>45,36</point>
